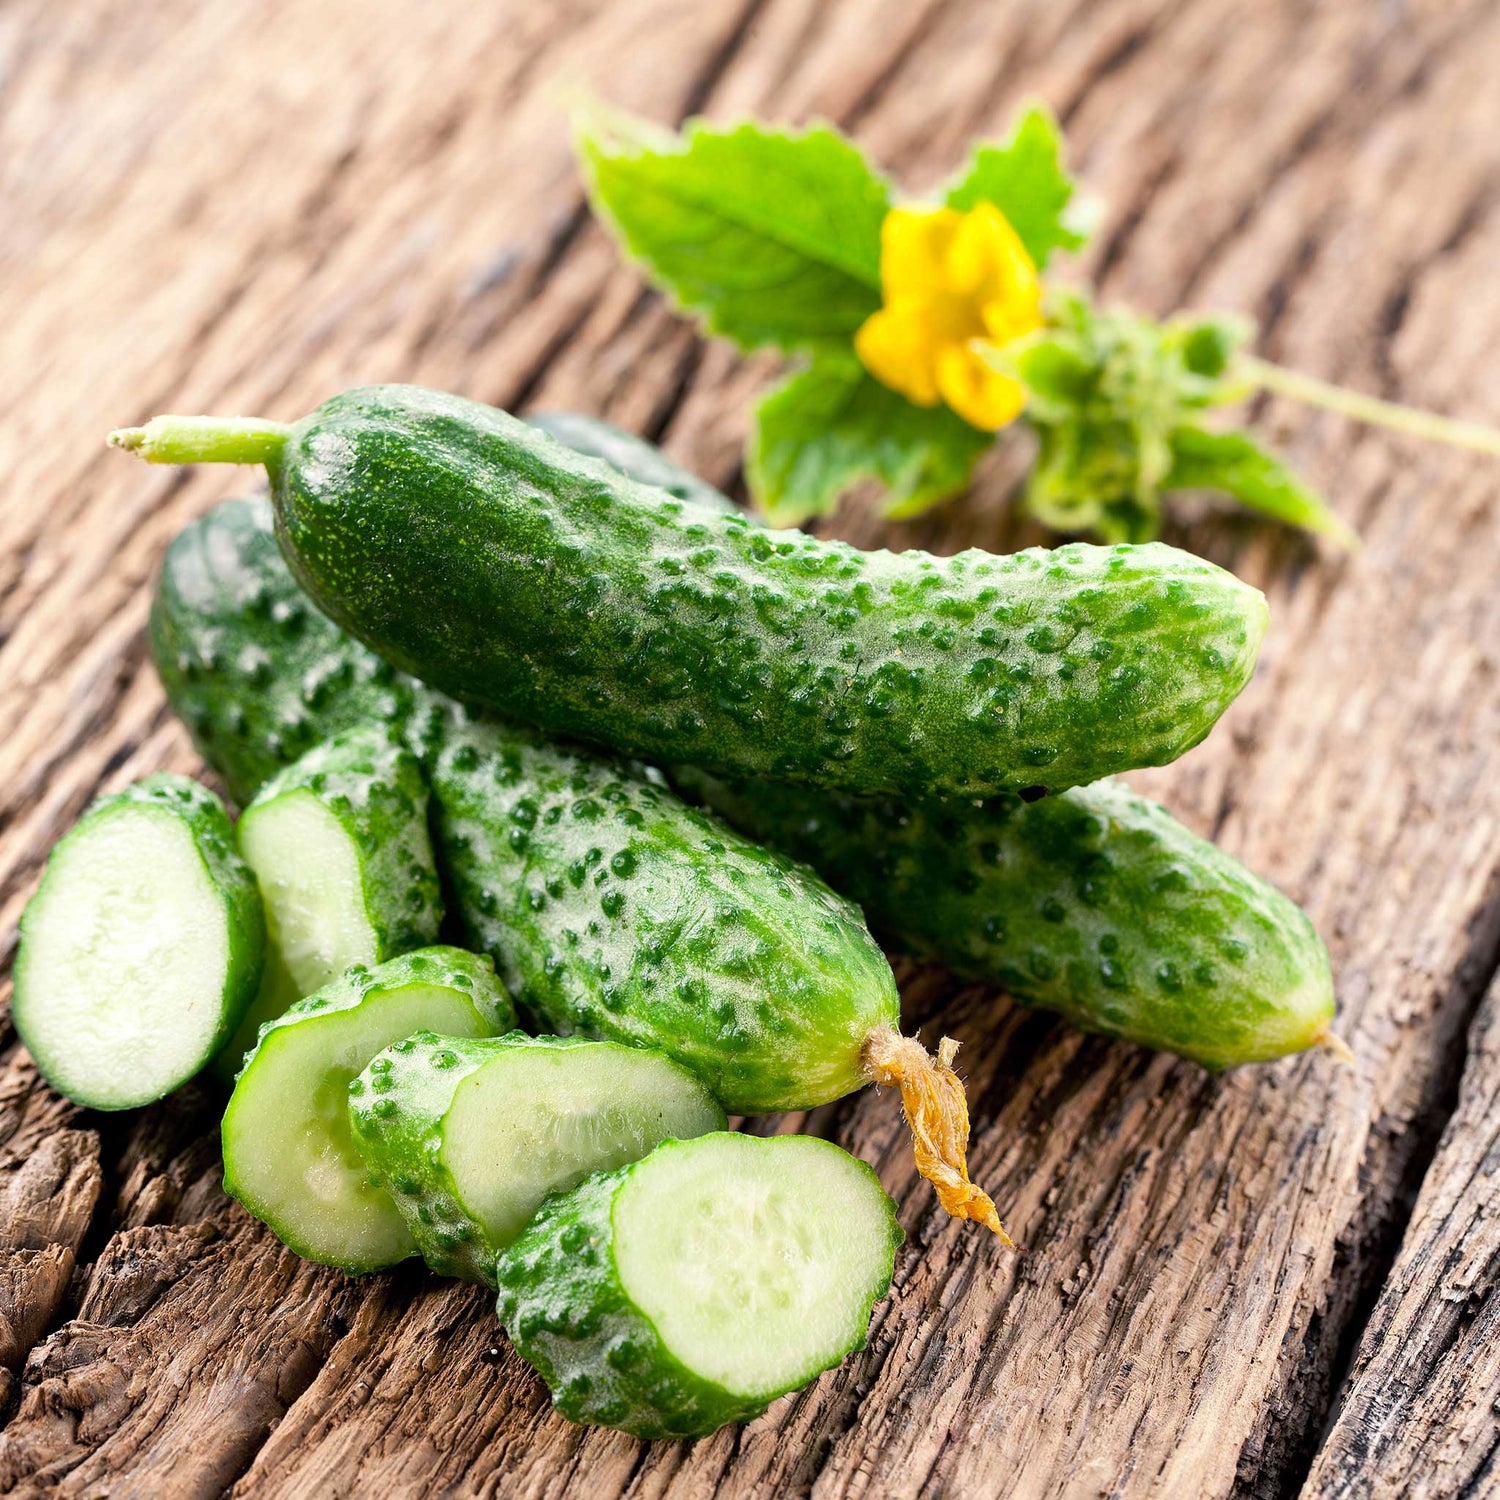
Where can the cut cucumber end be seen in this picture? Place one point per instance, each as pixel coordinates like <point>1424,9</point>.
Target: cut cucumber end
<point>757,1261</point>
<point>289,1156</point>
<point>538,1119</point>
<point>124,971</point>
<point>309,872</point>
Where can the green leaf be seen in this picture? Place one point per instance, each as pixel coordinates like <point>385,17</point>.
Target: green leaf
<point>1232,462</point>
<point>1026,180</point>
<point>771,236</point>
<point>826,427</point>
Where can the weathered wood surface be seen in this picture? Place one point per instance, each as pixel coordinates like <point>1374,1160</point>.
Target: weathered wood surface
<point>246,206</point>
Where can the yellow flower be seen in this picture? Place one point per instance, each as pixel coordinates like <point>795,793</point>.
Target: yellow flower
<point>951,278</point>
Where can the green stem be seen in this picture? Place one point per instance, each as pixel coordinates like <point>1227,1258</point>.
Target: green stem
<point>204,440</point>
<point>1422,424</point>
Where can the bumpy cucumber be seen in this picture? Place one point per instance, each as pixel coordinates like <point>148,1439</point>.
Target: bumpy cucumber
<point>1095,903</point>
<point>141,948</point>
<point>614,910</point>
<point>628,455</point>
<point>339,844</point>
<point>494,563</point>
<point>469,1136</point>
<point>288,1154</point>
<point>256,672</point>
<point>692,1288</point>
<point>938,877</point>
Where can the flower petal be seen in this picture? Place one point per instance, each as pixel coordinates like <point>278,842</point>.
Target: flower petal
<point>913,246</point>
<point>896,346</point>
<point>982,396</point>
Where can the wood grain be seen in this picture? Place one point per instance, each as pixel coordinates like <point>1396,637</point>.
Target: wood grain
<point>247,206</point>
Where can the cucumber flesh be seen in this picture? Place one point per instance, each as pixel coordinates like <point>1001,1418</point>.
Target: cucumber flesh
<point>470,1136</point>
<point>756,1266</point>
<point>309,873</point>
<point>140,949</point>
<point>693,1287</point>
<point>289,1157</point>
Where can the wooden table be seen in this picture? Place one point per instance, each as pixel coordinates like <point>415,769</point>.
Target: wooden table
<point>1277,1282</point>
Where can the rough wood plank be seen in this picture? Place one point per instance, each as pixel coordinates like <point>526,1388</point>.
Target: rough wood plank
<point>1420,1417</point>
<point>246,206</point>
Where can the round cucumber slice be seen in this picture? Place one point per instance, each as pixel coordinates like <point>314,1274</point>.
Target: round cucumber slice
<point>288,1154</point>
<point>693,1287</point>
<point>141,948</point>
<point>482,1131</point>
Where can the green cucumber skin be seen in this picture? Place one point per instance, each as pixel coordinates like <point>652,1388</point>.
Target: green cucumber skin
<point>596,607</point>
<point>397,1108</point>
<point>629,455</point>
<point>616,911</point>
<point>1095,903</point>
<point>256,672</point>
<point>213,837</point>
<point>374,786</point>
<point>848,841</point>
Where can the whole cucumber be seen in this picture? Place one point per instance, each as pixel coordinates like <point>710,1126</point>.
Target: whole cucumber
<point>953,882</point>
<point>1095,903</point>
<point>472,550</point>
<point>614,910</point>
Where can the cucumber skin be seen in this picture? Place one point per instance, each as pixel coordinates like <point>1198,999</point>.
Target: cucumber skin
<point>256,672</point>
<point>849,844</point>
<point>1095,903</point>
<point>374,786</point>
<point>629,455</point>
<point>397,1112</point>
<point>596,607</point>
<point>244,916</point>
<point>563,1305</point>
<point>616,911</point>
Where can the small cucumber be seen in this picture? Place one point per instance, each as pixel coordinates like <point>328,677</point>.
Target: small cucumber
<point>469,1136</point>
<point>692,1288</point>
<point>339,844</point>
<point>289,1157</point>
<point>141,948</point>
<point>1095,903</point>
<point>629,455</point>
<point>256,672</point>
<point>614,910</point>
<point>591,605</point>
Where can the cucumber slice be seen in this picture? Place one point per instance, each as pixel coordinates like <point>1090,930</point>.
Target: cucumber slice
<point>692,1288</point>
<point>141,948</point>
<point>288,1154</point>
<point>482,1131</point>
<point>339,844</point>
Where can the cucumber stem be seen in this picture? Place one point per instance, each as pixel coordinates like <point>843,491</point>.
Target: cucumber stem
<point>1335,1046</point>
<point>937,1113</point>
<point>204,440</point>
<point>1389,414</point>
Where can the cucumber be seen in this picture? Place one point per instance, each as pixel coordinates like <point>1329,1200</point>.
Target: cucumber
<point>289,1157</point>
<point>615,911</point>
<point>692,1288</point>
<point>338,842</point>
<point>1095,903</point>
<point>465,547</point>
<point>469,1136</point>
<point>141,948</point>
<point>256,672</point>
<point>629,455</point>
